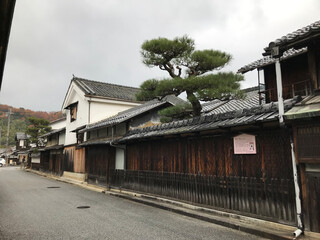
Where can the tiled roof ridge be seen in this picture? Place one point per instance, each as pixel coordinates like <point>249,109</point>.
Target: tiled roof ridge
<point>269,60</point>
<point>245,90</point>
<point>59,119</point>
<point>121,115</point>
<point>265,108</point>
<point>94,81</point>
<point>299,33</point>
<point>131,112</point>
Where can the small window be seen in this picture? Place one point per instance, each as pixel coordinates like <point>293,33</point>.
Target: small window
<point>73,108</point>
<point>73,113</point>
<point>80,137</point>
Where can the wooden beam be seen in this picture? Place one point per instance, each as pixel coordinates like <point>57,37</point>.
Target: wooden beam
<point>312,60</point>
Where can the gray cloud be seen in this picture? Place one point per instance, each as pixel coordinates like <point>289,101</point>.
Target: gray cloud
<point>100,40</point>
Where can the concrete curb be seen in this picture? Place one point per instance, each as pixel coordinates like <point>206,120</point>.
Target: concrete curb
<point>246,224</point>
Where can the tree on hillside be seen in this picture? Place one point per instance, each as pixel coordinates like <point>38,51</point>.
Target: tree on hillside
<point>37,128</point>
<point>189,71</point>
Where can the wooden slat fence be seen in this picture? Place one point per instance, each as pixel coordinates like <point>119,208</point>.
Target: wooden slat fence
<point>268,198</point>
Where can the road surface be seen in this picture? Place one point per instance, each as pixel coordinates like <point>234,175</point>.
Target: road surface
<point>34,207</point>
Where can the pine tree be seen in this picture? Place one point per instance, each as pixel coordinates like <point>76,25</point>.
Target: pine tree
<point>189,71</point>
<point>37,128</point>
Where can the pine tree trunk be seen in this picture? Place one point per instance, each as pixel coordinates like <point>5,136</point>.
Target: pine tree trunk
<point>196,106</point>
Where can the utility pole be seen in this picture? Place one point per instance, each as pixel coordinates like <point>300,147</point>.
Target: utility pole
<point>8,131</point>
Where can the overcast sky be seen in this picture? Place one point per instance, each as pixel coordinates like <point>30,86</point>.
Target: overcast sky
<point>100,40</point>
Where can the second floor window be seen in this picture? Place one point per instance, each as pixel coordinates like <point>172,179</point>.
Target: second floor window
<point>73,108</point>
<point>73,113</point>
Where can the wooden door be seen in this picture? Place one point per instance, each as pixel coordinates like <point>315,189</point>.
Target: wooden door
<point>313,188</point>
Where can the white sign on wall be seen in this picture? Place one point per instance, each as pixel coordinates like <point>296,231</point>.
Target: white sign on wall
<point>244,144</point>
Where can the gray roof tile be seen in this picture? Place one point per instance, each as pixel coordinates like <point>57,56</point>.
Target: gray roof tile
<point>54,131</point>
<point>263,113</point>
<point>133,112</point>
<point>298,35</point>
<point>269,60</point>
<point>22,136</point>
<point>107,90</point>
<point>251,99</point>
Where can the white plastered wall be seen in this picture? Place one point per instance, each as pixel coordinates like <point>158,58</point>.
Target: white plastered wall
<point>58,124</point>
<point>101,109</point>
<point>75,95</point>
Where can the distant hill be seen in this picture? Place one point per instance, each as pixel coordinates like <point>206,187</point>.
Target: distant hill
<point>19,121</point>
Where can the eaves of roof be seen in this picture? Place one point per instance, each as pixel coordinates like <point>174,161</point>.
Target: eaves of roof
<point>55,147</point>
<point>308,108</point>
<point>296,38</point>
<point>259,114</point>
<point>53,132</point>
<point>103,90</point>
<point>106,90</point>
<point>58,120</point>
<point>269,60</point>
<point>97,142</point>
<point>132,112</point>
<point>122,116</point>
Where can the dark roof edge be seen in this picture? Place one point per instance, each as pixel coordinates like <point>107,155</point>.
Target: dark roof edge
<point>296,37</point>
<point>268,60</point>
<point>265,108</point>
<point>112,84</point>
<point>58,120</point>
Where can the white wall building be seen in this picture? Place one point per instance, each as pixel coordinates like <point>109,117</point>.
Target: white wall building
<point>89,101</point>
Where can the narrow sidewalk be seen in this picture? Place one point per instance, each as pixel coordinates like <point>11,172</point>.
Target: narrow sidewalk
<point>250,225</point>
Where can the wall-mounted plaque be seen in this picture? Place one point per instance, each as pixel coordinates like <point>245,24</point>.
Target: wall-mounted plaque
<point>244,144</point>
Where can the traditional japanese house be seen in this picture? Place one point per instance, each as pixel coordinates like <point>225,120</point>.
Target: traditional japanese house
<point>234,157</point>
<point>52,154</point>
<point>86,102</point>
<point>101,154</point>
<point>295,75</point>
<point>22,146</point>
<point>293,63</point>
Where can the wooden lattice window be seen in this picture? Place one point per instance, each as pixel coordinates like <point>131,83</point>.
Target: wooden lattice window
<point>308,142</point>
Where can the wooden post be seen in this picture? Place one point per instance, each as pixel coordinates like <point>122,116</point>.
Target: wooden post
<point>279,91</point>
<point>312,60</point>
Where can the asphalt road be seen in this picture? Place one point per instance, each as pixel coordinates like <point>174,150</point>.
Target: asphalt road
<point>34,207</point>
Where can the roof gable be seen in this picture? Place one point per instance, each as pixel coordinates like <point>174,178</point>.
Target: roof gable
<point>102,90</point>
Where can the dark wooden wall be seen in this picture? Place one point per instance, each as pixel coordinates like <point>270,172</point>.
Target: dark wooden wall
<point>68,159</point>
<point>44,160</point>
<point>294,71</point>
<point>214,156</point>
<point>55,161</point>
<point>307,142</point>
<point>99,160</point>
